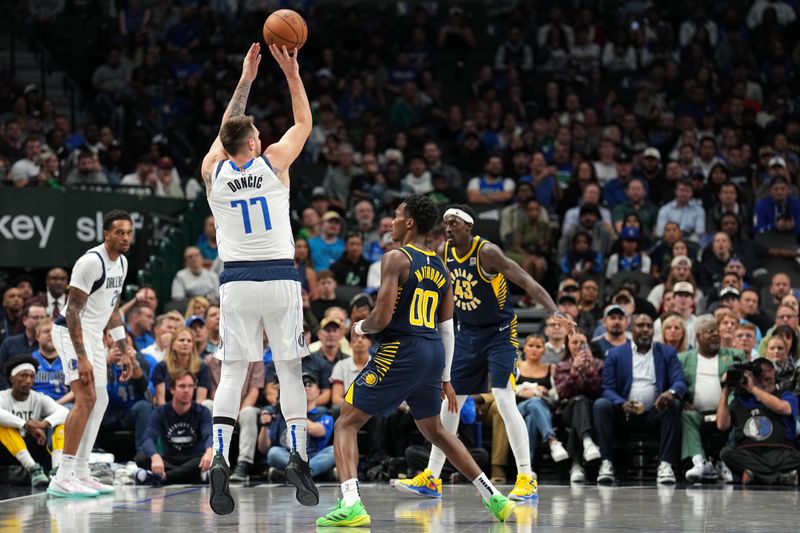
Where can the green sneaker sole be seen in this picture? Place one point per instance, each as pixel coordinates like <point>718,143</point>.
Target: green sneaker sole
<point>59,494</point>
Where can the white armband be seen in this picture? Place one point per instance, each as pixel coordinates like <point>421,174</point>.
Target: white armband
<point>449,341</point>
<point>357,328</point>
<point>118,333</point>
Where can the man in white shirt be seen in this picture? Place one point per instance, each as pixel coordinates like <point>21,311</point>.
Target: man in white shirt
<point>26,168</point>
<point>194,280</point>
<point>346,370</point>
<point>703,368</point>
<point>166,326</point>
<point>25,415</point>
<point>643,385</point>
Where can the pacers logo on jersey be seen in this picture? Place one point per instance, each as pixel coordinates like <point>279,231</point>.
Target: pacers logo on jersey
<point>463,282</point>
<point>369,379</point>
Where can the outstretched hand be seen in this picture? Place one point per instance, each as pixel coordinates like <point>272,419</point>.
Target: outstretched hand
<point>251,62</point>
<point>565,321</point>
<point>286,60</point>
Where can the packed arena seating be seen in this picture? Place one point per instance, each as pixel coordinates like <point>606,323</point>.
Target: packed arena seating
<point>637,159</point>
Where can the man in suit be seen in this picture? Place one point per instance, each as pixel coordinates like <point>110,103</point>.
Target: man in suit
<point>703,368</point>
<point>643,385</point>
<point>54,299</point>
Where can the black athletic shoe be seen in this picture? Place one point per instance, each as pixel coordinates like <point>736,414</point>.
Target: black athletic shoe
<point>299,474</point>
<point>241,472</point>
<point>221,499</point>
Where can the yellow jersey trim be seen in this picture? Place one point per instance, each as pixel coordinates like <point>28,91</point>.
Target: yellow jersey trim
<point>429,252</point>
<point>475,241</point>
<point>478,264</point>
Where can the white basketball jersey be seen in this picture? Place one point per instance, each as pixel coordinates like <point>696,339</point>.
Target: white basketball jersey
<point>102,279</point>
<point>251,211</point>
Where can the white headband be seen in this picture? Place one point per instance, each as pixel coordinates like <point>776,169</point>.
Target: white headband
<point>463,215</point>
<point>22,368</point>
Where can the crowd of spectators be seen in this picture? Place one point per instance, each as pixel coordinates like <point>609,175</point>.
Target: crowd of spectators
<point>641,161</point>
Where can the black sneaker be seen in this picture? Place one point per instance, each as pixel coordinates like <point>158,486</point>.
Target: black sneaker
<point>276,476</point>
<point>241,472</point>
<point>299,474</point>
<point>221,499</point>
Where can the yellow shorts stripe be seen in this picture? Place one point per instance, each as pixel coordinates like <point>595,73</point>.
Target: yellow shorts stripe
<point>349,396</point>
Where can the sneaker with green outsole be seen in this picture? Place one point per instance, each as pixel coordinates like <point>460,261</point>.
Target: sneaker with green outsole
<point>343,516</point>
<point>500,506</point>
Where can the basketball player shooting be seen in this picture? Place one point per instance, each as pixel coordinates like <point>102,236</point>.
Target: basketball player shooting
<point>248,192</point>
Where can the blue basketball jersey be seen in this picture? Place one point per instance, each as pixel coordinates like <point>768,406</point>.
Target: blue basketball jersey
<point>480,300</point>
<point>49,378</point>
<point>416,307</point>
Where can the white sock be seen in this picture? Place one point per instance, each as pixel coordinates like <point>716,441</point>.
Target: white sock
<point>588,442</point>
<point>298,436</point>
<point>698,460</point>
<point>25,459</point>
<point>485,487</point>
<point>516,429</point>
<point>67,468</point>
<point>55,457</point>
<point>450,423</point>
<point>225,408</point>
<point>350,492</point>
<point>664,463</point>
<point>82,470</point>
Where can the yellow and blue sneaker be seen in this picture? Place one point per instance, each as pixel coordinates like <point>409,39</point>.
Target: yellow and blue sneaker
<point>423,484</point>
<point>500,506</point>
<point>525,489</point>
<point>343,516</point>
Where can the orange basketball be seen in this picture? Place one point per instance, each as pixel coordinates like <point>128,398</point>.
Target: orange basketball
<point>285,28</point>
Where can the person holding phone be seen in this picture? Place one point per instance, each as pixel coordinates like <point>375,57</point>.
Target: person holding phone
<point>578,380</point>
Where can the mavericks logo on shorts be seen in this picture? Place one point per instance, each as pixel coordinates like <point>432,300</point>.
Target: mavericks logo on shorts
<point>369,379</point>
<point>301,340</point>
<point>73,364</point>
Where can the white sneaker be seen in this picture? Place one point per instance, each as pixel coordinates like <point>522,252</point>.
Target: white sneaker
<point>606,473</point>
<point>576,474</point>
<point>70,488</point>
<point>709,472</point>
<point>93,483</point>
<point>591,453</point>
<point>695,473</point>
<point>724,472</point>
<point>665,474</point>
<point>557,451</point>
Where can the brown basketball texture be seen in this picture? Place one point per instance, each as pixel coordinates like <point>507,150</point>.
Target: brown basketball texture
<point>285,28</point>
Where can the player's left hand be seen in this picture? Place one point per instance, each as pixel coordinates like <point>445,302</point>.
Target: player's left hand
<point>205,461</point>
<point>450,393</point>
<point>287,59</point>
<point>566,322</point>
<point>251,62</point>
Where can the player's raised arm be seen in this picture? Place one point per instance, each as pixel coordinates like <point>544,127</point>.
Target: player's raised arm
<point>493,259</point>
<point>283,153</point>
<point>393,264</point>
<point>236,107</point>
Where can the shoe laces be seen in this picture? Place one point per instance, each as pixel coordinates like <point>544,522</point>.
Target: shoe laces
<point>421,479</point>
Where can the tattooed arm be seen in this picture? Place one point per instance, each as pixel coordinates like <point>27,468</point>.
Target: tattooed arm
<point>235,108</point>
<point>284,152</point>
<point>75,304</point>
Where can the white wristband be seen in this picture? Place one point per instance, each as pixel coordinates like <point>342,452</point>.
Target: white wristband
<point>358,329</point>
<point>118,333</point>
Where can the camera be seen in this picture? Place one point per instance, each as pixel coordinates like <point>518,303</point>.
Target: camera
<point>735,378</point>
<point>271,410</point>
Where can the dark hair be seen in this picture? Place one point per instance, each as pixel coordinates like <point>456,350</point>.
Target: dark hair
<point>174,377</point>
<point>85,154</point>
<point>234,133</point>
<point>26,312</point>
<point>424,212</point>
<point>353,233</point>
<point>753,291</point>
<point>787,330</point>
<point>209,308</point>
<point>19,360</point>
<point>113,216</point>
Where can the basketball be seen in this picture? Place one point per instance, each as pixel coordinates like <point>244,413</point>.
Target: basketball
<point>285,28</point>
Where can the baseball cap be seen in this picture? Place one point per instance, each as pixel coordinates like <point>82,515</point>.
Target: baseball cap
<point>308,377</point>
<point>681,260</point>
<point>318,192</point>
<point>330,320</point>
<point>331,215</point>
<point>568,285</point>
<point>615,309</point>
<point>777,161</point>
<point>192,320</point>
<point>683,287</point>
<point>652,152</point>
<point>623,157</point>
<point>589,208</point>
<point>729,291</point>
<point>566,298</point>
<point>629,233</point>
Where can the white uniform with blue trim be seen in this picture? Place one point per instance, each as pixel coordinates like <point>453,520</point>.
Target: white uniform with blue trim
<point>101,278</point>
<point>259,286</point>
